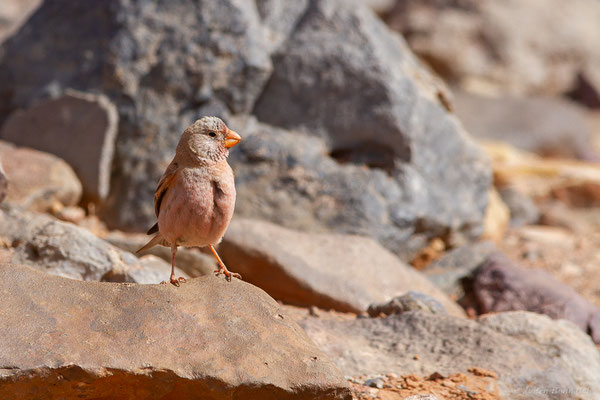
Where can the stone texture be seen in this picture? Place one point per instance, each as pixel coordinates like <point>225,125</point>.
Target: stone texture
<point>163,66</point>
<point>208,339</point>
<point>341,272</point>
<point>542,125</point>
<point>3,183</point>
<point>398,126</point>
<point>501,285</point>
<point>523,211</point>
<point>530,353</point>
<point>64,249</point>
<point>13,14</point>
<point>411,301</point>
<point>36,180</point>
<point>190,260</point>
<point>77,127</point>
<point>287,177</point>
<point>456,268</point>
<point>506,45</point>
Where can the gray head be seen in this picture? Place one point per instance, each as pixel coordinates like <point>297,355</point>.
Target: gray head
<point>207,140</point>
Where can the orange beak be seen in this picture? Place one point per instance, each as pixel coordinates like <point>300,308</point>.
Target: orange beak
<point>232,138</point>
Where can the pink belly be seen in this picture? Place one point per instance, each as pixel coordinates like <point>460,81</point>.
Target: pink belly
<point>190,215</point>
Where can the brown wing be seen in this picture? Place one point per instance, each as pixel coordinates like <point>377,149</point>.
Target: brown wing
<point>163,186</point>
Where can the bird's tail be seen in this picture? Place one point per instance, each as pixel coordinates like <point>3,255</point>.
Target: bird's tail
<point>157,239</point>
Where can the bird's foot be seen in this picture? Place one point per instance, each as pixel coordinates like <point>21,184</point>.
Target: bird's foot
<point>228,274</point>
<point>175,281</point>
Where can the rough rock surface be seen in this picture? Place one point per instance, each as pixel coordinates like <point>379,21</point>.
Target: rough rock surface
<point>506,44</point>
<point>398,126</point>
<point>37,180</point>
<point>457,267</point>
<point>208,339</point>
<point>3,183</point>
<point>530,353</point>
<point>288,178</point>
<point>411,301</point>
<point>77,127</point>
<point>13,14</point>
<point>190,260</point>
<point>542,125</point>
<point>523,211</point>
<point>501,285</point>
<point>341,272</point>
<point>162,65</point>
<point>165,66</point>
<point>64,249</point>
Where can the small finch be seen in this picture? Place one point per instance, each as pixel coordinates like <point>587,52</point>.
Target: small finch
<point>195,197</point>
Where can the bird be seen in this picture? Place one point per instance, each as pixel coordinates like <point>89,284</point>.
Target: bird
<point>195,197</point>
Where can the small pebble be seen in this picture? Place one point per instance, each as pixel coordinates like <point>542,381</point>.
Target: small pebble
<point>374,383</point>
<point>466,389</point>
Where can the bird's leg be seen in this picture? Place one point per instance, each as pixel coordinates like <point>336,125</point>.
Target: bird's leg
<point>174,281</point>
<point>222,268</point>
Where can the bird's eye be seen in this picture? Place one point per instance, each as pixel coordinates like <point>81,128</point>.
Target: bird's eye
<point>212,134</point>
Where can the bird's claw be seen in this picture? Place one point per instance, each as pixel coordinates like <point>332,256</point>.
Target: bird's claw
<point>227,273</point>
<point>175,281</point>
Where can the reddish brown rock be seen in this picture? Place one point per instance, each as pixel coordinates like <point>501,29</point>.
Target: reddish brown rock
<point>501,285</point>
<point>208,339</point>
<point>341,272</point>
<point>37,180</point>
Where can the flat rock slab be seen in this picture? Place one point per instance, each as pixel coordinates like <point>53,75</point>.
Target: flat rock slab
<point>341,272</point>
<point>78,127</point>
<point>533,356</point>
<point>208,339</point>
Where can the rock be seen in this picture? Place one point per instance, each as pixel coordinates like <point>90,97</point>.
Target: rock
<point>422,397</point>
<point>560,339</point>
<point>287,178</point>
<point>64,249</point>
<point>191,261</point>
<point>411,301</point>
<point>374,382</point>
<point>80,128</point>
<point>497,218</point>
<point>3,183</point>
<point>500,285</point>
<point>538,177</point>
<point>505,45</point>
<point>523,210</point>
<point>398,128</point>
<point>13,14</point>
<point>453,270</point>
<point>162,67</point>
<point>545,126</point>
<point>192,342</point>
<point>148,270</point>
<point>36,180</point>
<point>341,272</point>
<point>527,351</point>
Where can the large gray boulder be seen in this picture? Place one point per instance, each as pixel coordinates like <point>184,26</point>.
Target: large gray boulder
<point>362,122</point>
<point>208,339</point>
<point>163,65</point>
<point>344,77</point>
